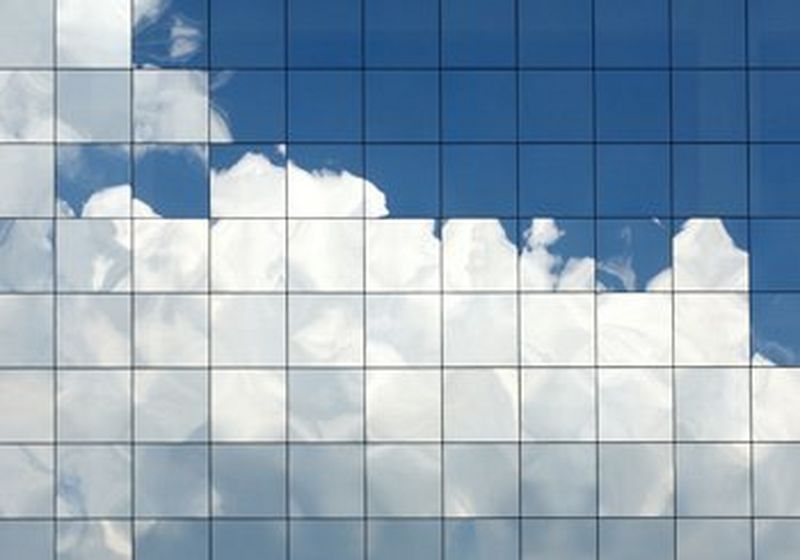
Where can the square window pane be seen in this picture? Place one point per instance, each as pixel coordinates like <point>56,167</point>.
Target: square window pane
<point>564,539</point>
<point>478,33</point>
<point>326,480</point>
<point>555,32</point>
<point>171,181</point>
<point>467,319</point>
<point>711,179</point>
<point>26,255</point>
<point>478,105</point>
<point>713,479</point>
<point>171,481</point>
<point>634,329</point>
<point>26,406</point>
<point>239,265</point>
<point>555,106</point>
<point>26,106</point>
<point>557,329</point>
<point>403,330</point>
<point>170,405</point>
<point>772,180</point>
<point>632,106</point>
<point>408,176</point>
<point>175,34</point>
<point>481,479</point>
<point>26,487</point>
<point>403,480</point>
<point>774,254</point>
<point>29,175</point>
<point>776,537</point>
<point>479,180</point>
<point>93,180</point>
<point>27,326</point>
<point>343,540</point>
<point>402,255</point>
<point>82,245</point>
<point>728,345</point>
<point>170,105</point>
<point>342,244</point>
<point>248,181</point>
<point>777,479</point>
<point>481,539</point>
<point>247,33</point>
<point>402,539</point>
<point>94,330</point>
<point>94,106</point>
<point>401,35</point>
<point>94,480</point>
<point>558,404</point>
<point>157,539</point>
<point>559,479</point>
<point>632,33</point>
<point>633,180</point>
<point>324,34</point>
<point>249,480</point>
<point>171,330</point>
<point>631,539</point>
<point>247,405</point>
<point>635,405</point>
<point>776,416</point>
<point>26,38</point>
<point>403,405</point>
<point>773,30</point>
<point>326,330</point>
<point>248,330</point>
<point>776,336</point>
<point>89,540</point>
<point>710,254</point>
<point>709,106</point>
<point>326,180</point>
<point>248,540</point>
<point>557,255</point>
<point>481,405</point>
<point>708,32</point>
<point>171,255</point>
<point>94,33</point>
<point>326,405</point>
<point>556,180</point>
<point>94,405</point>
<point>402,106</point>
<point>714,539</point>
<point>324,105</point>
<point>479,254</point>
<point>775,105</point>
<point>251,102</point>
<point>712,404</point>
<point>636,479</point>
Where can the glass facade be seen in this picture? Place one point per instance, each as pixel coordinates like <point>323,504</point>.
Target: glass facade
<point>399,279</point>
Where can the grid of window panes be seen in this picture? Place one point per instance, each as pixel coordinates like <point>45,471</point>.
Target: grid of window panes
<point>390,279</point>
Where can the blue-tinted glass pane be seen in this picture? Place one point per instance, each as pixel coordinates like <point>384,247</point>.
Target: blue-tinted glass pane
<point>402,106</point>
<point>556,106</point>
<point>401,33</point>
<point>555,32</point>
<point>324,33</point>
<point>401,540</point>
<point>774,32</point>
<point>633,180</point>
<point>324,540</point>
<point>632,33</point>
<point>775,254</point>
<point>556,180</point>
<point>166,540</point>
<point>247,33</point>
<point>776,327</point>
<point>632,106</point>
<point>249,540</point>
<point>709,106</point>
<point>478,32</point>
<point>775,105</point>
<point>631,252</point>
<point>173,36</point>
<point>324,106</point>
<point>479,180</point>
<point>774,187</point>
<point>252,103</point>
<point>481,539</point>
<point>408,175</point>
<point>708,32</point>
<point>710,179</point>
<point>576,239</point>
<point>333,157</point>
<point>479,105</point>
<point>173,180</point>
<point>86,169</point>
